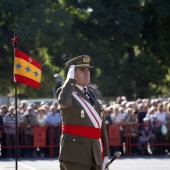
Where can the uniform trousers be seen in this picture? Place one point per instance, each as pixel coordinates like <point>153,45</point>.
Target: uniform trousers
<point>64,165</point>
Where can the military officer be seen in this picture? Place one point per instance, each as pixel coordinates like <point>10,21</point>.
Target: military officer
<point>84,142</point>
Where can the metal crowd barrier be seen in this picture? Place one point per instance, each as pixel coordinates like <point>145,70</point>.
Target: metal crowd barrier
<point>123,136</point>
<point>30,141</point>
<point>46,139</point>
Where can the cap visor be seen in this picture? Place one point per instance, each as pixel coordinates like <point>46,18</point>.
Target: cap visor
<point>84,66</point>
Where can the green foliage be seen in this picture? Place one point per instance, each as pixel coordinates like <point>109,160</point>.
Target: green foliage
<point>41,28</point>
<point>128,41</point>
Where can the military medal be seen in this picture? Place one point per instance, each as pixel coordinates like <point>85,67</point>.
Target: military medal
<point>82,113</point>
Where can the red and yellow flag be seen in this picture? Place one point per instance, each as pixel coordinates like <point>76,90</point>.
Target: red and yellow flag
<point>26,70</point>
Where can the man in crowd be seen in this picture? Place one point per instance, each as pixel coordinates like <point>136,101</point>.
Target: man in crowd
<point>53,122</point>
<point>84,143</point>
<point>3,112</point>
<point>29,120</point>
<point>9,122</point>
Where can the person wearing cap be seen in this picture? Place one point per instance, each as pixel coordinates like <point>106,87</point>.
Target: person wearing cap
<point>84,142</point>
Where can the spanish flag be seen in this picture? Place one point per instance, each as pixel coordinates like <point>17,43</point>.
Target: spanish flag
<point>26,69</point>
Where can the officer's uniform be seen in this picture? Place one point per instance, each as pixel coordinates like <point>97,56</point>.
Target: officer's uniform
<point>80,141</point>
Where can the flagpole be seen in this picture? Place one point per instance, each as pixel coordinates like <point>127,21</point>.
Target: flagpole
<point>15,45</point>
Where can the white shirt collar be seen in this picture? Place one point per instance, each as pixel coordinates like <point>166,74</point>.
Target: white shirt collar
<point>81,88</point>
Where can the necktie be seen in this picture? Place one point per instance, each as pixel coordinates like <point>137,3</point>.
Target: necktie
<point>88,95</point>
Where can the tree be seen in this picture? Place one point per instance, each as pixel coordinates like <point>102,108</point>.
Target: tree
<point>116,32</point>
<point>41,28</point>
<point>128,41</point>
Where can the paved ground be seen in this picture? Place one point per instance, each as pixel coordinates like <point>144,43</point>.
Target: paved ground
<point>121,163</point>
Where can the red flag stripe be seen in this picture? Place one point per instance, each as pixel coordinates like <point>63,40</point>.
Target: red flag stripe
<point>25,80</point>
<point>26,57</point>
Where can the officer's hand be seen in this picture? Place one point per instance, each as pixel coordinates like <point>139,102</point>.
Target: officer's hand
<point>70,74</point>
<point>106,160</point>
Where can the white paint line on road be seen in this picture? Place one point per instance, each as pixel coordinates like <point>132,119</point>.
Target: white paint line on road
<point>24,165</point>
<point>142,166</point>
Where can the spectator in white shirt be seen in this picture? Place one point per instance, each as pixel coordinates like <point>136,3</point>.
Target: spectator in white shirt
<point>118,119</point>
<point>160,120</point>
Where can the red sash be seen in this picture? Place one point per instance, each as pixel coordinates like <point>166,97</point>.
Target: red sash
<point>84,131</point>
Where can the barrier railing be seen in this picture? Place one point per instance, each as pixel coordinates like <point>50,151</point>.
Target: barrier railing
<point>128,137</point>
<point>31,140</point>
<point>45,140</point>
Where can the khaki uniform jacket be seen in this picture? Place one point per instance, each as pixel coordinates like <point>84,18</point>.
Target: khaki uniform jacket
<point>73,148</point>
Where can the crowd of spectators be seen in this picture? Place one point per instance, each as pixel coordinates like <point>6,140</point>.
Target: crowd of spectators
<point>29,116</point>
<point>148,122</point>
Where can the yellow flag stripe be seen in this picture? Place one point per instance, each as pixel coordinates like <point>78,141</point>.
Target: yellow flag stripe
<point>22,70</point>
